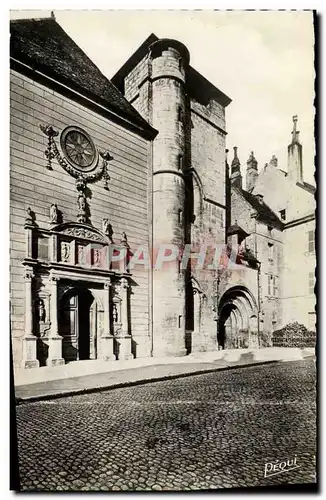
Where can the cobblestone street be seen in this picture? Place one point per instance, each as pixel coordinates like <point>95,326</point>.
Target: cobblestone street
<point>207,431</point>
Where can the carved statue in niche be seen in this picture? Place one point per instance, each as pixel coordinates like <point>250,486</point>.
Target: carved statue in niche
<point>107,228</point>
<point>81,254</point>
<point>115,314</point>
<point>65,251</point>
<point>97,256</point>
<point>54,214</point>
<point>41,310</point>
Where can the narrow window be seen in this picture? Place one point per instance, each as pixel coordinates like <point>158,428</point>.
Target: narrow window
<point>180,216</point>
<point>274,286</point>
<point>180,114</point>
<point>270,252</point>
<point>269,291</point>
<point>179,321</point>
<point>180,162</point>
<point>311,241</point>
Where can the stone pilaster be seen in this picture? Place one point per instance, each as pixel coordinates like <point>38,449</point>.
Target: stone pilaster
<point>54,248</point>
<point>196,340</point>
<point>54,340</point>
<point>124,338</point>
<point>29,341</point>
<point>107,339</point>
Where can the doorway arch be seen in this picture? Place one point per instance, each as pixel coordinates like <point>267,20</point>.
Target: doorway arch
<point>78,324</point>
<point>237,319</point>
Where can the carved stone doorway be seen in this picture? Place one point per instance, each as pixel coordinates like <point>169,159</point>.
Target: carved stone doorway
<point>237,325</point>
<point>78,325</point>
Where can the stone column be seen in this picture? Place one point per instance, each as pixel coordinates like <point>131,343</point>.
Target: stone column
<point>196,340</point>
<point>54,248</point>
<point>54,339</point>
<point>107,339</point>
<point>123,337</point>
<point>29,341</point>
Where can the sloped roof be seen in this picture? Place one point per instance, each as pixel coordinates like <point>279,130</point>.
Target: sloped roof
<point>236,229</point>
<point>265,213</point>
<point>46,47</point>
<point>197,85</point>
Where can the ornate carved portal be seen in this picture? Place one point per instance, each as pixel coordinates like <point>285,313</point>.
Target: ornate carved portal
<point>77,299</point>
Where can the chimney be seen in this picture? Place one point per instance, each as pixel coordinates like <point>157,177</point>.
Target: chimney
<point>273,161</point>
<point>295,155</point>
<point>236,178</point>
<point>252,172</point>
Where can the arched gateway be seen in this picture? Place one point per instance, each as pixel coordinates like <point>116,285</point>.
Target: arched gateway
<point>237,319</point>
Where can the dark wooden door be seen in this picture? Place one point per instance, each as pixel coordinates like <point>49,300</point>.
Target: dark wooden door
<point>78,326</point>
<point>69,328</point>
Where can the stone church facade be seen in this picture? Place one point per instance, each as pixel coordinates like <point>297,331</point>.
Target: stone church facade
<point>100,169</point>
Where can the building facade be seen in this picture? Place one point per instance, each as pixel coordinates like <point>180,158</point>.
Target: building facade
<point>79,185</point>
<point>103,172</point>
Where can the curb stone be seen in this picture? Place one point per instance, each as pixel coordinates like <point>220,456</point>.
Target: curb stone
<point>129,383</point>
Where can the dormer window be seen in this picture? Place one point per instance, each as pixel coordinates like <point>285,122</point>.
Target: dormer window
<point>260,198</point>
<point>283,214</point>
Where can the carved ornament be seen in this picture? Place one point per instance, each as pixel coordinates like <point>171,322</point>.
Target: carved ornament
<point>81,154</point>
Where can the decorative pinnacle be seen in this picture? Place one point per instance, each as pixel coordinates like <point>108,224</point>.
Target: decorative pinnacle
<point>295,133</point>
<point>235,161</point>
<point>252,162</point>
<point>273,161</point>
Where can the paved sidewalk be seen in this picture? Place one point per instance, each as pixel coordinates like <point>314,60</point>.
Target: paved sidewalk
<point>48,383</point>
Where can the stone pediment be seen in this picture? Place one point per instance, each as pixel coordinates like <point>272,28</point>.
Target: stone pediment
<point>81,231</point>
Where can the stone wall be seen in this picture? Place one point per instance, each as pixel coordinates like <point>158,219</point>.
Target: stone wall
<point>138,87</point>
<point>299,268</point>
<point>32,185</point>
<point>208,148</point>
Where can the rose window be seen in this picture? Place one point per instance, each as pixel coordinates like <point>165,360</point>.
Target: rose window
<point>79,149</point>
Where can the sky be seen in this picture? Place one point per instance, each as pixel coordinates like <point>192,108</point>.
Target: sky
<point>263,60</point>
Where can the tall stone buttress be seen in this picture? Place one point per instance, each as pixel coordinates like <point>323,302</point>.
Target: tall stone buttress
<point>169,61</point>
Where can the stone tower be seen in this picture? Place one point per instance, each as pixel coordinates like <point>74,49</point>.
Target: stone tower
<point>169,62</point>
